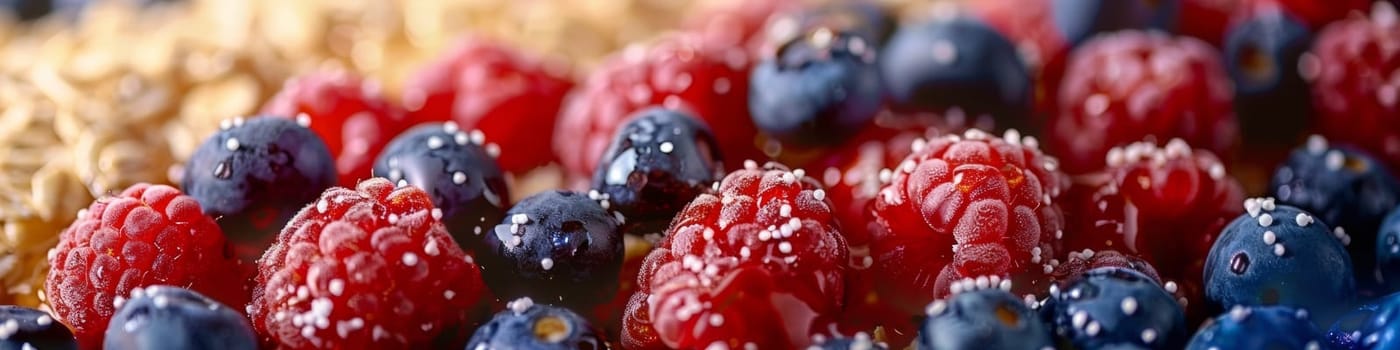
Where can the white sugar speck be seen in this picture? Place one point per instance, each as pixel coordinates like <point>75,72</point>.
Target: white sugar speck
<point>337,287</point>
<point>547,263</point>
<point>1303,219</point>
<point>232,144</point>
<point>435,142</point>
<point>667,147</point>
<point>1266,220</point>
<point>410,259</point>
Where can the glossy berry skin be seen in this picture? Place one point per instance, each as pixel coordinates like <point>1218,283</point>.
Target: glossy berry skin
<point>512,97</point>
<point>33,328</point>
<point>526,325</point>
<point>1078,263</point>
<point>1165,204</point>
<point>1271,98</point>
<point>1276,254</point>
<point>1354,91</point>
<point>1379,328</point>
<point>1126,86</point>
<point>349,114</point>
<point>368,268</point>
<point>964,208</point>
<point>680,71</point>
<point>1267,327</point>
<point>148,234</point>
<point>956,61</point>
<point>1079,20</point>
<point>559,246</point>
<point>759,261</point>
<point>455,170</point>
<point>659,161</point>
<point>1116,306</point>
<point>989,318</point>
<point>167,317</point>
<point>1388,251</point>
<point>254,175</point>
<point>819,89</point>
<point>1346,188</point>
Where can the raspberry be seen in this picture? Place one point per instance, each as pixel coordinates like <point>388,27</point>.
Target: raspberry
<point>678,72</point>
<point>147,235</point>
<point>1165,205</point>
<point>1030,25</point>
<point>960,210</point>
<point>1355,89</point>
<point>485,85</point>
<point>372,267</point>
<point>852,174</point>
<point>1123,87</point>
<point>760,261</point>
<point>1316,14</point>
<point>1206,19</point>
<point>348,113</point>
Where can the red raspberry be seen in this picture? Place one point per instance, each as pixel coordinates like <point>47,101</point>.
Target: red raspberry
<point>1354,69</point>
<point>1030,24</point>
<point>1206,19</point>
<point>1165,205</point>
<point>1123,87</point>
<point>485,85</point>
<point>961,210</point>
<point>679,71</point>
<point>366,268</point>
<point>147,235</point>
<point>760,261</point>
<point>852,174</point>
<point>1316,14</point>
<point>348,113</point>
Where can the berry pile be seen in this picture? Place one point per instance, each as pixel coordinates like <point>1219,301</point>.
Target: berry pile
<point>781,175</point>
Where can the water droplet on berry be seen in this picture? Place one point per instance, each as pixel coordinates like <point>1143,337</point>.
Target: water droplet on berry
<point>224,169</point>
<point>1239,263</point>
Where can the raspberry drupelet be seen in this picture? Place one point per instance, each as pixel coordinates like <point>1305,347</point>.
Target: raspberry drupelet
<point>759,262</point>
<point>963,211</point>
<point>1354,70</point>
<point>372,267</point>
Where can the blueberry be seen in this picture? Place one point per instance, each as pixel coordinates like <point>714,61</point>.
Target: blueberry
<point>1268,327</point>
<point>957,63</point>
<point>820,89</point>
<point>863,18</point>
<point>528,326</point>
<point>861,341</point>
<point>1388,251</point>
<point>1116,306</point>
<point>1279,255</point>
<point>1271,98</point>
<point>1381,330</point>
<point>1345,333</point>
<point>252,176</point>
<point>556,245</point>
<point>1079,20</point>
<point>659,161</point>
<point>25,328</point>
<point>166,317</point>
<point>1346,188</point>
<point>989,318</point>
<point>456,171</point>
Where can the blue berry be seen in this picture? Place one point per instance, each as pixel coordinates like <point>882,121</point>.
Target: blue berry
<point>1381,329</point>
<point>1278,255</point>
<point>1271,98</point>
<point>166,317</point>
<point>559,246</point>
<point>528,326</point>
<point>1268,327</point>
<point>1112,305</point>
<point>25,328</point>
<point>1345,333</point>
<point>988,318</point>
<point>1388,251</point>
<point>659,161</point>
<point>861,341</point>
<point>957,62</point>
<point>1346,188</point>
<point>866,19</point>
<point>252,176</point>
<point>460,176</point>
<point>1079,20</point>
<point>819,89</point>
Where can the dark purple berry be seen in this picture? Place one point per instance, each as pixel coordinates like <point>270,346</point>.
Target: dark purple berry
<point>529,326</point>
<point>25,328</point>
<point>819,89</point>
<point>459,175</point>
<point>959,63</point>
<point>166,317</point>
<point>1079,20</point>
<point>989,318</point>
<point>252,176</point>
<point>556,245</point>
<point>659,161</point>
<point>1271,98</point>
<point>1116,306</point>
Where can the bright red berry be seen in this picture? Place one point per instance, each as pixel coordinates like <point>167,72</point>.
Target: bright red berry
<point>679,72</point>
<point>512,97</point>
<point>348,113</point>
<point>1316,14</point>
<point>959,210</point>
<point>1123,87</point>
<point>147,235</point>
<point>760,261</point>
<point>1165,205</point>
<point>852,174</point>
<point>1354,69</point>
<point>366,268</point>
